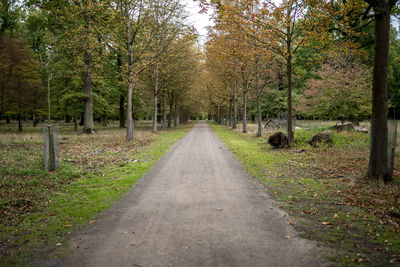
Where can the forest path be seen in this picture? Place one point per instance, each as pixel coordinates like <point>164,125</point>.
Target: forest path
<point>196,207</point>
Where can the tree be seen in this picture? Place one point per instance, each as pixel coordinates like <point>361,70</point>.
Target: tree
<point>19,78</point>
<point>341,91</point>
<point>379,11</point>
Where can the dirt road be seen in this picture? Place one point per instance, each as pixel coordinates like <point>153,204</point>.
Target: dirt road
<point>196,207</point>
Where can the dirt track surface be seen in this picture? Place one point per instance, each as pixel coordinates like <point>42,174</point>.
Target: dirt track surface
<point>196,207</point>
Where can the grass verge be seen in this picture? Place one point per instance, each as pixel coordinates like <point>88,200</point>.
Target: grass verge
<point>38,209</point>
<point>324,190</point>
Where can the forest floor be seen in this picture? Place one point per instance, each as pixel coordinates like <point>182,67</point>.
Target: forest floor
<point>325,190</point>
<point>40,209</point>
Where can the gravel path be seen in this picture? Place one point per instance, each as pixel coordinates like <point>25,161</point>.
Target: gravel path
<point>196,207</point>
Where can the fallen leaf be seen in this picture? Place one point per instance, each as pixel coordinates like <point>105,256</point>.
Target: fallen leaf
<point>68,226</point>
<point>288,237</point>
<point>117,189</point>
<point>58,244</point>
<point>219,209</point>
<point>92,221</point>
<point>326,223</point>
<point>335,216</point>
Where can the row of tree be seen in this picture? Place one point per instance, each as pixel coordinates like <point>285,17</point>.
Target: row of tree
<point>112,59</point>
<point>305,58</point>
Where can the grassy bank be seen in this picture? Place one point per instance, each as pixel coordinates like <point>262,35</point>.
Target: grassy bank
<point>38,209</point>
<point>325,191</point>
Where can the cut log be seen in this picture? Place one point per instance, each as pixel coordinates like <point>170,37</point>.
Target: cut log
<point>344,127</point>
<point>324,137</point>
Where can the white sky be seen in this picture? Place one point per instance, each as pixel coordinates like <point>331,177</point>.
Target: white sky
<point>199,20</point>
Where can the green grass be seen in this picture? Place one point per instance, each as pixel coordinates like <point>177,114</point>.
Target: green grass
<point>325,191</point>
<point>73,196</point>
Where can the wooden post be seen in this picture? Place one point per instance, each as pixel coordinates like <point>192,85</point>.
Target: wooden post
<point>50,134</point>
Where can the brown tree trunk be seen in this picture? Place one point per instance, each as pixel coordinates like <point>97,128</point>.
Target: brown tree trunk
<point>164,124</point>
<point>129,117</point>
<point>170,115</point>
<point>244,130</point>
<point>121,111</point>
<point>19,122</point>
<point>88,126</point>
<point>75,122</point>
<point>104,119</point>
<point>230,112</point>
<point>259,119</point>
<point>122,97</point>
<point>378,159</point>
<point>234,124</point>
<point>155,102</point>
<point>177,122</point>
<point>289,101</point>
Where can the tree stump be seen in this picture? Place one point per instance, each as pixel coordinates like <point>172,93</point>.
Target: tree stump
<point>324,137</point>
<point>278,140</point>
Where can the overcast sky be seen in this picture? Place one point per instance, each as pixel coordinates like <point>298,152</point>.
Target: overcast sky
<point>199,20</point>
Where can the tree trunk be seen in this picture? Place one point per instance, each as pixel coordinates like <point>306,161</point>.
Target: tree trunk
<point>19,122</point>
<point>289,101</point>
<point>121,97</point>
<point>121,111</point>
<point>88,126</point>
<point>259,119</point>
<point>164,124</point>
<point>234,125</point>
<point>75,122</point>
<point>104,119</point>
<point>67,118</point>
<point>34,120</point>
<point>82,121</point>
<point>244,111</point>
<point>155,93</point>
<point>226,113</point>
<point>177,122</point>
<point>49,97</point>
<point>129,118</point>
<point>170,115</point>
<point>378,159</point>
<point>230,112</point>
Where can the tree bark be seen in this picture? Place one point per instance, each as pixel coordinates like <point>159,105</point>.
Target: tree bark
<point>75,122</point>
<point>88,112</point>
<point>234,124</point>
<point>289,101</point>
<point>378,158</point>
<point>170,115</point>
<point>82,120</point>
<point>49,96</point>
<point>129,118</point>
<point>155,102</point>
<point>164,124</point>
<point>244,130</point>
<point>121,111</point>
<point>104,119</point>
<point>259,119</point>
<point>19,122</point>
<point>122,97</point>
<point>230,112</point>
<point>177,122</point>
